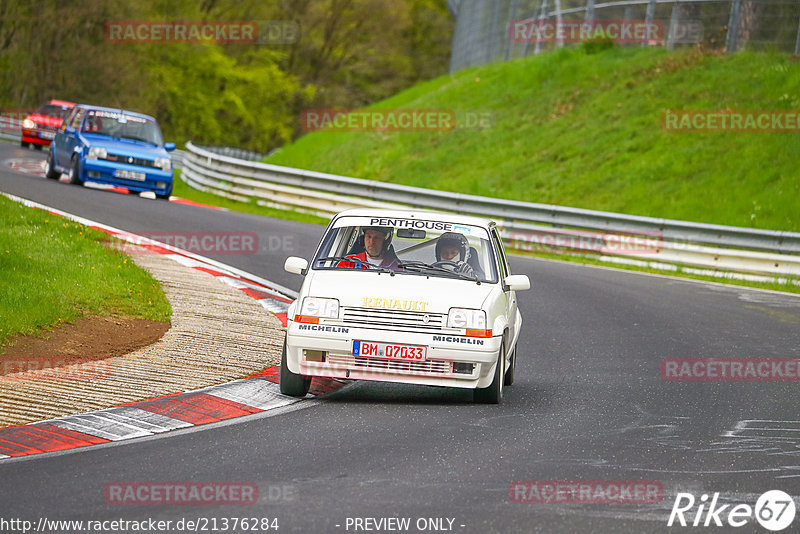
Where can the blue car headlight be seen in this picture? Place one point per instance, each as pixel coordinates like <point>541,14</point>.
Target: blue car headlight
<point>163,163</point>
<point>97,153</point>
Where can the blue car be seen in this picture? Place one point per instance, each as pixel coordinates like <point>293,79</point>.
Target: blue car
<point>112,146</point>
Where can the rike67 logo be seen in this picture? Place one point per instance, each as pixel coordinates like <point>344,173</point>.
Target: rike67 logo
<point>774,510</point>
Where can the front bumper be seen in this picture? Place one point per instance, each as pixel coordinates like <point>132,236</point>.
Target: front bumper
<point>102,171</point>
<point>305,343</point>
<point>37,137</point>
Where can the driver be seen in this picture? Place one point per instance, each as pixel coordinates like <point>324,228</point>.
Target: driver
<point>93,124</point>
<point>453,249</point>
<point>376,249</point>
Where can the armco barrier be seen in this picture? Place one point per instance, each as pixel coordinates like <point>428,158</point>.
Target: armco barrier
<point>726,248</point>
<point>10,129</point>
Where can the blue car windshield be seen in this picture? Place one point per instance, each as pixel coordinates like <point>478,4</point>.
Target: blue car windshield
<point>122,126</point>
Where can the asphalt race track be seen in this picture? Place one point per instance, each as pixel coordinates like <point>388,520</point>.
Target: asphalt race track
<point>588,404</point>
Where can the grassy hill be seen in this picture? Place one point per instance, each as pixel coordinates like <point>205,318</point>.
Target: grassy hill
<point>583,129</point>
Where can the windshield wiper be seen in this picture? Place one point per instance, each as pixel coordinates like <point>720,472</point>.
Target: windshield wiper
<point>361,262</point>
<point>419,266</point>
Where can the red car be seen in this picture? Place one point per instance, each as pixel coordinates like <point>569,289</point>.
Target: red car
<point>39,128</point>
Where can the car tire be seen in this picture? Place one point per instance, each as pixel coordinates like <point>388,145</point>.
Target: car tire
<point>509,376</point>
<point>74,172</point>
<point>493,394</point>
<point>38,147</point>
<point>49,169</point>
<point>24,144</point>
<point>166,195</point>
<point>292,384</point>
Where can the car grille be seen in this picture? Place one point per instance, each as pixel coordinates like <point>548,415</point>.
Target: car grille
<point>131,160</point>
<point>433,367</point>
<point>393,318</point>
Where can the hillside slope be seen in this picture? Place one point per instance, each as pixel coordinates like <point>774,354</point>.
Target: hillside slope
<point>584,129</point>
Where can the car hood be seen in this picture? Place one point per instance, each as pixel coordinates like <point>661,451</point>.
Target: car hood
<point>49,120</point>
<point>400,292</point>
<point>127,147</point>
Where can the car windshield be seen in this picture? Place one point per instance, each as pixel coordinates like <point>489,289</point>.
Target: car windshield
<point>122,126</point>
<point>408,247</point>
<point>54,111</point>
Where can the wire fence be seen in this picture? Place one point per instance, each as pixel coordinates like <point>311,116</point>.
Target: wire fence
<point>497,30</point>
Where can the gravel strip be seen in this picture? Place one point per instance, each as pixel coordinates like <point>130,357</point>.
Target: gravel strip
<point>218,334</point>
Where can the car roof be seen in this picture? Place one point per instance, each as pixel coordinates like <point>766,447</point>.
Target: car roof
<point>61,103</point>
<point>427,215</point>
<point>115,110</point>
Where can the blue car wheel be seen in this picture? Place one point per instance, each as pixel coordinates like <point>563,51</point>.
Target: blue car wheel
<point>74,172</point>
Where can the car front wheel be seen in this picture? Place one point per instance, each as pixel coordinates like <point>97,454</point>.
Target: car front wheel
<point>50,168</point>
<point>74,172</point>
<point>292,384</point>
<point>166,195</point>
<point>493,394</point>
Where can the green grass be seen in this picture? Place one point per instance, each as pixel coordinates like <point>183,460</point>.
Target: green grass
<point>55,271</point>
<point>183,190</point>
<point>583,130</point>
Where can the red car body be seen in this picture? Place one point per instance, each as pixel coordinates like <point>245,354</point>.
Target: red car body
<point>39,128</point>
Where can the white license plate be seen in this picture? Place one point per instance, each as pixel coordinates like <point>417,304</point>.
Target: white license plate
<point>390,351</point>
<point>47,135</point>
<point>130,175</point>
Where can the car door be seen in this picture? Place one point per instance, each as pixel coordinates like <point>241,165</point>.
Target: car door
<point>511,296</point>
<point>71,139</point>
<point>61,138</point>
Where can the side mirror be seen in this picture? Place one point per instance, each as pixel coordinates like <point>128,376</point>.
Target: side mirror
<point>517,282</point>
<point>169,147</point>
<point>69,129</point>
<point>295,265</point>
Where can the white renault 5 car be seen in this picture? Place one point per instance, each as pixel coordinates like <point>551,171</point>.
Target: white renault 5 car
<point>415,297</point>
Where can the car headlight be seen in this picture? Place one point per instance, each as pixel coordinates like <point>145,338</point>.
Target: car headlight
<point>163,163</point>
<point>97,153</point>
<point>466,318</point>
<point>320,307</point>
<point>28,124</point>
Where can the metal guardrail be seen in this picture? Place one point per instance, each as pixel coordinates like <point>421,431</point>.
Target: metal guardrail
<point>10,129</point>
<point>526,225</point>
